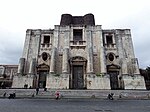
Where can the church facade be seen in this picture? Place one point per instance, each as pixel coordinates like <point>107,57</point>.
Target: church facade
<point>77,54</point>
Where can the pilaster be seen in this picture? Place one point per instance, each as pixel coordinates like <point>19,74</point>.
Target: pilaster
<point>65,60</point>
<point>52,64</point>
<point>90,67</point>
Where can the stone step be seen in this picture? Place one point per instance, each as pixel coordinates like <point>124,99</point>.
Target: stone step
<point>31,93</point>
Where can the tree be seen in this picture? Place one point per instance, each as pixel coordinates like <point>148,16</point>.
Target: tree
<point>146,74</point>
<point>148,69</point>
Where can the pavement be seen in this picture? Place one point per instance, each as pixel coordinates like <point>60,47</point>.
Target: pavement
<point>77,94</point>
<point>73,105</point>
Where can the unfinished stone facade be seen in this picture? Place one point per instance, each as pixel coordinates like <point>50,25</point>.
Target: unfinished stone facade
<point>7,72</point>
<point>77,54</point>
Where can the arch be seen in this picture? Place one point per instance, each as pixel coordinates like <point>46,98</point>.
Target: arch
<point>77,59</point>
<point>113,67</point>
<point>43,66</point>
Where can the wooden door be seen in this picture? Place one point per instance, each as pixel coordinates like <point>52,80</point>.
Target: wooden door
<point>78,81</point>
<point>42,79</point>
<point>114,80</point>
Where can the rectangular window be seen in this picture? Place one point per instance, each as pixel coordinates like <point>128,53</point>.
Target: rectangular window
<point>46,39</point>
<point>109,39</point>
<point>77,34</point>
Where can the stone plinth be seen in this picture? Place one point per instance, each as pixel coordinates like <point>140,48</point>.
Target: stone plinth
<point>20,81</point>
<point>98,82</point>
<point>57,81</point>
<point>134,82</point>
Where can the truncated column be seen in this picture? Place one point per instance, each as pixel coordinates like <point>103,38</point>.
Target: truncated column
<point>32,66</point>
<point>21,66</point>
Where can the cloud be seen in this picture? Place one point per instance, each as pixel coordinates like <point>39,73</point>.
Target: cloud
<point>19,15</point>
<point>139,24</point>
<point>10,47</point>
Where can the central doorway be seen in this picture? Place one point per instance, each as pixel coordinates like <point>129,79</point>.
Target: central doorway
<point>114,80</point>
<point>77,77</point>
<point>42,78</point>
<point>113,71</point>
<point>42,71</point>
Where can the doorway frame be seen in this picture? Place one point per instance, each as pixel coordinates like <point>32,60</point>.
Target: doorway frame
<point>114,69</point>
<point>41,67</point>
<point>75,77</point>
<point>77,61</point>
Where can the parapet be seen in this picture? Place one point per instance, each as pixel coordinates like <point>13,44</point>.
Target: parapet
<point>68,19</point>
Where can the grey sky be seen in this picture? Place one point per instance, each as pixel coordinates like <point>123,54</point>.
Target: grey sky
<point>16,16</point>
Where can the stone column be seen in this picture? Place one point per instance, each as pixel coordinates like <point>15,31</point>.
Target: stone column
<point>11,74</point>
<point>102,60</point>
<point>56,36</point>
<point>52,64</point>
<point>113,38</point>
<point>90,61</point>
<point>89,50</point>
<point>32,66</point>
<point>26,44</point>
<point>102,54</point>
<point>65,60</point>
<point>21,66</point>
<point>124,66</point>
<point>101,50</point>
<point>122,53</point>
<point>3,69</point>
<point>136,66</point>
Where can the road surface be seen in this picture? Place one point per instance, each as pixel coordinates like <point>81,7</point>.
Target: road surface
<point>73,105</point>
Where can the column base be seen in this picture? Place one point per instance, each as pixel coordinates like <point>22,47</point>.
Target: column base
<point>20,81</point>
<point>57,81</point>
<point>98,82</point>
<point>134,82</point>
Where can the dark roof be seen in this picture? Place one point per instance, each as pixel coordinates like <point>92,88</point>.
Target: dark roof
<point>68,19</point>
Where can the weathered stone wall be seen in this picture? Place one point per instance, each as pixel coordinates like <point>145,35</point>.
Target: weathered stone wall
<point>98,82</point>
<point>96,63</point>
<point>59,61</point>
<point>134,82</point>
<point>92,47</point>
<point>31,47</point>
<point>58,81</point>
<point>20,81</point>
<point>45,47</point>
<point>8,70</point>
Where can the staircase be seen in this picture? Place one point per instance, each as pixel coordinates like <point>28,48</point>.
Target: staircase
<point>99,94</point>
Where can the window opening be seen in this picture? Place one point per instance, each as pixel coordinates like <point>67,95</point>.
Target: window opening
<point>109,39</point>
<point>44,56</point>
<point>46,39</point>
<point>111,57</point>
<point>77,34</point>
